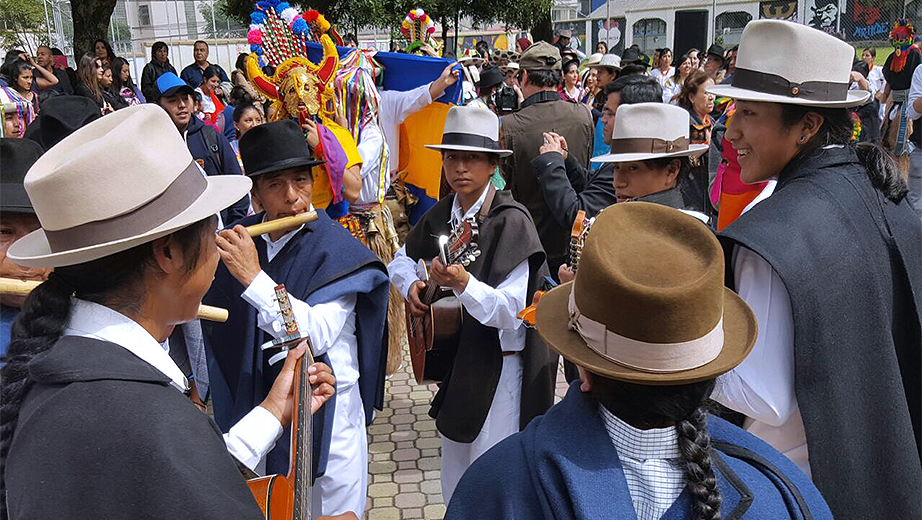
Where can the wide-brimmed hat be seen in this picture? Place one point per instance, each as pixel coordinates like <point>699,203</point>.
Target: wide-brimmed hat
<point>489,77</point>
<point>648,304</point>
<point>118,182</point>
<point>509,67</point>
<point>16,157</point>
<point>785,62</point>
<point>629,56</point>
<point>593,59</point>
<point>275,146</point>
<point>650,131</point>
<point>60,117</point>
<point>611,61</point>
<point>470,57</point>
<point>565,33</point>
<point>471,129</point>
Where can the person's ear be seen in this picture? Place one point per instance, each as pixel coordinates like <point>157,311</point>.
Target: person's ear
<point>168,255</point>
<point>586,377</point>
<point>673,169</point>
<point>809,126</point>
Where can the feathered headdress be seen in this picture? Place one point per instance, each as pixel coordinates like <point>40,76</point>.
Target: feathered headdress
<point>278,37</point>
<point>901,38</point>
<point>418,28</point>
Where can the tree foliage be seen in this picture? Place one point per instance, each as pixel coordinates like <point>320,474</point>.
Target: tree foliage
<point>224,25</point>
<point>91,21</point>
<point>21,23</point>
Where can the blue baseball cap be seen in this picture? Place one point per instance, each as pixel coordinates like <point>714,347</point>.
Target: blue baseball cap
<point>169,84</point>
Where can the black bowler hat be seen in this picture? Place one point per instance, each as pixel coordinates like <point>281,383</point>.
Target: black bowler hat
<point>60,117</point>
<point>17,156</point>
<point>630,56</point>
<point>716,50</point>
<point>275,146</point>
<point>489,77</point>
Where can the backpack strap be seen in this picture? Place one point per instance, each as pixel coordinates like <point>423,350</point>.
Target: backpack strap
<point>211,142</point>
<point>487,202</point>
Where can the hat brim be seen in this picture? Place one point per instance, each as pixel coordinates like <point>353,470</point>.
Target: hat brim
<point>601,66</point>
<point>294,162</point>
<point>463,148</point>
<point>853,99</point>
<point>553,316</point>
<point>33,250</point>
<point>694,150</point>
<point>172,91</point>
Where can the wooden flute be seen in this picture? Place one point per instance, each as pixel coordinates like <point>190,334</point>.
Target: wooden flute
<point>24,287</point>
<point>281,223</point>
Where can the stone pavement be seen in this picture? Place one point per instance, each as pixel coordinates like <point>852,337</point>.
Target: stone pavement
<point>404,451</point>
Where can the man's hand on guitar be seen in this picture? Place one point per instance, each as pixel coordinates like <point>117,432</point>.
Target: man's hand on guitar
<point>417,307</point>
<point>565,274</point>
<point>238,252</point>
<point>453,276</point>
<point>321,378</point>
<point>281,397</point>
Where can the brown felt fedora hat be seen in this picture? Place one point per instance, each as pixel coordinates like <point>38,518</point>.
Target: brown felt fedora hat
<point>648,304</point>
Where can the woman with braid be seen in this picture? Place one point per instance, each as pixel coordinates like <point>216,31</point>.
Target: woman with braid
<point>97,422</point>
<point>650,325</point>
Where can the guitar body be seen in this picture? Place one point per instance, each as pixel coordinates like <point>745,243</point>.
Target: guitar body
<point>433,338</point>
<point>274,496</point>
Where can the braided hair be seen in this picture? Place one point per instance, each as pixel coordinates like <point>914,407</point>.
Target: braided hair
<point>685,406</point>
<point>116,281</point>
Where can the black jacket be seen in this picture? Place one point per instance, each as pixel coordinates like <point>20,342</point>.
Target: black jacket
<point>849,259</point>
<point>149,75</point>
<point>214,154</point>
<point>569,187</point>
<point>103,435</point>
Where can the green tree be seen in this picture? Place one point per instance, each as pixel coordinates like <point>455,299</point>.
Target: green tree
<point>225,25</point>
<point>21,21</point>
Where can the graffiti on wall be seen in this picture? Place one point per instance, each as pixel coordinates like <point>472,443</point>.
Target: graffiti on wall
<point>868,21</point>
<point>610,31</point>
<point>778,10</point>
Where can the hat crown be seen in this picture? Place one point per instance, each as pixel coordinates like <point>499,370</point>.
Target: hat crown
<point>795,52</point>
<point>540,56</point>
<point>64,184</point>
<point>472,120</point>
<point>648,261</point>
<point>651,120</point>
<point>274,146</point>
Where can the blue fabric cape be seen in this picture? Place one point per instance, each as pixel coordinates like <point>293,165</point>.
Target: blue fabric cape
<point>321,263</point>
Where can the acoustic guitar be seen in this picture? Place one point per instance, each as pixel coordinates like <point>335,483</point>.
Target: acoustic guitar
<point>288,497</point>
<point>578,234</point>
<point>433,337</point>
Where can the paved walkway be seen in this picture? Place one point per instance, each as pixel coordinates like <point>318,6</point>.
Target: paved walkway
<point>404,452</point>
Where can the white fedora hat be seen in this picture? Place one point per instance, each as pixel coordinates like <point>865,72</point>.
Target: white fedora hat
<point>790,63</point>
<point>650,131</point>
<point>471,129</point>
<point>121,181</point>
<point>606,60</point>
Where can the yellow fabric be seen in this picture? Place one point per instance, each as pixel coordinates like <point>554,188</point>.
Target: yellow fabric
<point>323,193</point>
<point>421,166</point>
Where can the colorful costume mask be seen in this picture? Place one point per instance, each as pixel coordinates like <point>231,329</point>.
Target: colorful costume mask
<point>901,38</point>
<point>277,37</point>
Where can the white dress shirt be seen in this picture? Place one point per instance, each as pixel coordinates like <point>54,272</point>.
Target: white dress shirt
<point>762,386</point>
<point>915,92</point>
<point>876,81</point>
<point>330,325</point>
<point>652,464</point>
<point>248,441</point>
<point>494,307</point>
<point>393,108</point>
<point>375,157</point>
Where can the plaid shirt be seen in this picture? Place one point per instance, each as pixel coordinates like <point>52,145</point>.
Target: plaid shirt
<point>652,464</point>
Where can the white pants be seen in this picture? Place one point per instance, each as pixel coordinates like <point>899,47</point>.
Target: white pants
<point>502,421</point>
<point>344,485</point>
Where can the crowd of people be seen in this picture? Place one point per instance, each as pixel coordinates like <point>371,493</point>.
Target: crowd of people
<point>723,247</point>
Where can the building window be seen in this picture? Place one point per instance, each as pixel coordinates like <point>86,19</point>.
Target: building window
<point>729,27</point>
<point>144,15</point>
<point>650,34</point>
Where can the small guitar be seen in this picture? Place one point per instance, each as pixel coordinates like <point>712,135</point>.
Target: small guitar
<point>288,497</point>
<point>578,234</point>
<point>433,337</point>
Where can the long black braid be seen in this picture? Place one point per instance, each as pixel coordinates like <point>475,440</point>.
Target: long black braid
<point>115,281</point>
<point>685,406</point>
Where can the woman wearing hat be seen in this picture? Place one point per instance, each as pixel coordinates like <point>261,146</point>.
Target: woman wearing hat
<point>96,418</point>
<point>499,378</point>
<point>491,79</point>
<point>830,265</point>
<point>650,326</point>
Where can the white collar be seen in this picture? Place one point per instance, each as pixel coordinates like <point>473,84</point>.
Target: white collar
<point>277,245</point>
<point>655,443</point>
<point>456,216</point>
<point>92,320</point>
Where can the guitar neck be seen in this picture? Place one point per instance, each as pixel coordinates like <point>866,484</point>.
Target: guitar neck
<point>303,449</point>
